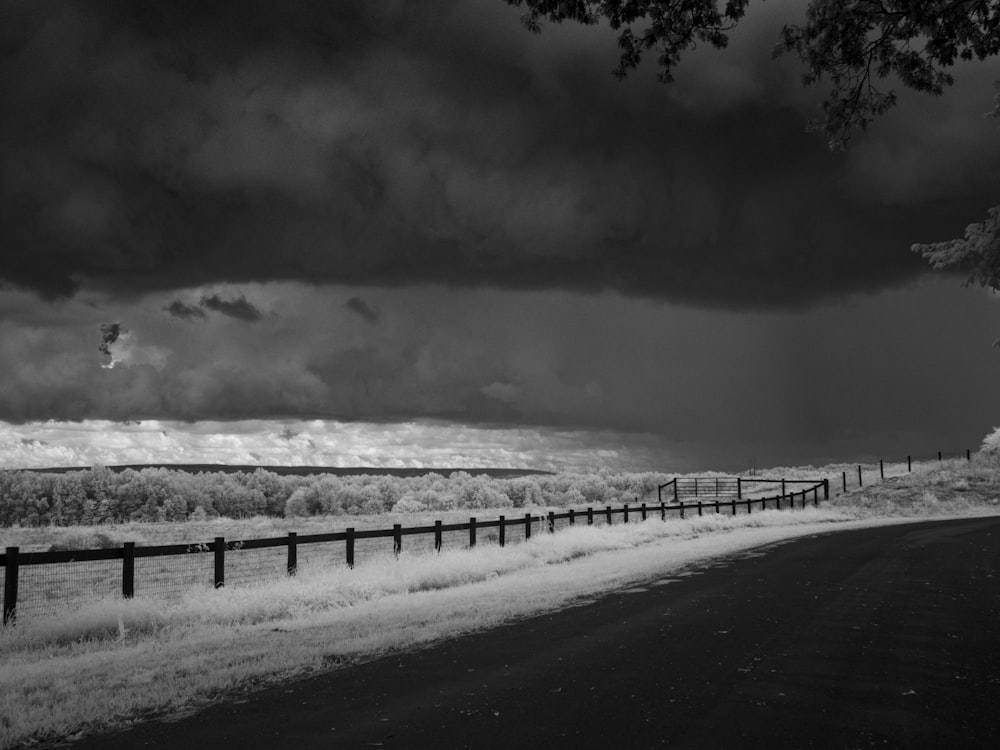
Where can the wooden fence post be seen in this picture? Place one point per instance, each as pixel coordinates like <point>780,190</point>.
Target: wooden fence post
<point>860,484</point>
<point>739,488</point>
<point>644,511</point>
<point>10,587</point>
<point>128,570</point>
<point>778,501</point>
<point>699,508</point>
<point>472,532</point>
<point>527,526</point>
<point>397,539</point>
<point>939,455</point>
<point>220,562</point>
<point>626,512</point>
<point>349,546</point>
<point>590,516</point>
<point>675,490</point>
<point>682,508</point>
<point>909,463</point>
<point>826,489</point>
<point>663,512</point>
<point>572,517</point>
<point>552,522</point>
<point>968,455</point>
<point>843,474</point>
<point>437,536</point>
<point>608,514</point>
<point>881,469</point>
<point>503,530</point>
<point>293,554</point>
<point>734,507</point>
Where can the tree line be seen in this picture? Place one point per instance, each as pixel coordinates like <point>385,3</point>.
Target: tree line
<point>99,495</point>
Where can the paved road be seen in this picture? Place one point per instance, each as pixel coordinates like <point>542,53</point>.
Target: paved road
<point>884,637</point>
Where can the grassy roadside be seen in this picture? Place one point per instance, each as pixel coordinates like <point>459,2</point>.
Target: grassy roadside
<point>953,486</point>
<point>120,661</point>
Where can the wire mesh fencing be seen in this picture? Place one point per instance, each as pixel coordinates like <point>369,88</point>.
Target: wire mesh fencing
<point>246,567</point>
<point>312,558</point>
<point>47,590</point>
<point>49,583</point>
<point>169,577</point>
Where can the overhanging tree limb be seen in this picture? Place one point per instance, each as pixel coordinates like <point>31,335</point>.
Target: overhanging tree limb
<point>851,44</point>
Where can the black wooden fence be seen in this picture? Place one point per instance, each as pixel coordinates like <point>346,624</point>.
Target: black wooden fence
<point>12,560</point>
<point>688,487</point>
<point>909,466</point>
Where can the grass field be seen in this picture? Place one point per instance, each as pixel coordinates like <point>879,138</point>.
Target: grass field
<point>114,661</point>
<point>57,590</point>
<point>30,538</point>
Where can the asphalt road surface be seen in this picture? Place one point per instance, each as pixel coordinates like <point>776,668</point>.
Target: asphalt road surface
<point>886,637</point>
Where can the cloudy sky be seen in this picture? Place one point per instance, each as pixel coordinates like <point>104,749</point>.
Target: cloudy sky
<point>411,233</point>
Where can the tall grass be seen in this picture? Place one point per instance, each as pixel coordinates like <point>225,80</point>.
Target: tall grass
<point>320,590</point>
<point>113,660</point>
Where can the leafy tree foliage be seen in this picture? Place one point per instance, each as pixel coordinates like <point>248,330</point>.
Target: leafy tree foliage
<point>854,46</point>
<point>669,28</point>
<point>978,252</point>
<point>99,495</point>
<point>991,444</point>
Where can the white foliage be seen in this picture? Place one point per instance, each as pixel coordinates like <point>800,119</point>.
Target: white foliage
<point>408,503</point>
<point>979,249</point>
<point>991,443</point>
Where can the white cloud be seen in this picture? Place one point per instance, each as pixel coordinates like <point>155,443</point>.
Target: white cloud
<point>125,350</point>
<point>321,443</point>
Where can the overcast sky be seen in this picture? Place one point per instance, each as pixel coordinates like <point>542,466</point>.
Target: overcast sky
<point>410,233</point>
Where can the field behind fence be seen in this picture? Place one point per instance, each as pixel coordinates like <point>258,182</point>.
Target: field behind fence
<point>41,584</point>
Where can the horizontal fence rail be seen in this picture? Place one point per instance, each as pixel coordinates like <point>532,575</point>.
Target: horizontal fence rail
<point>167,570</point>
<point>695,487</point>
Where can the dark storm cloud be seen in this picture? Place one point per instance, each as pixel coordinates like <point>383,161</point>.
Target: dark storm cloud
<point>875,373</point>
<point>362,308</point>
<point>109,335</point>
<point>239,307</point>
<point>158,145</point>
<point>184,311</point>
